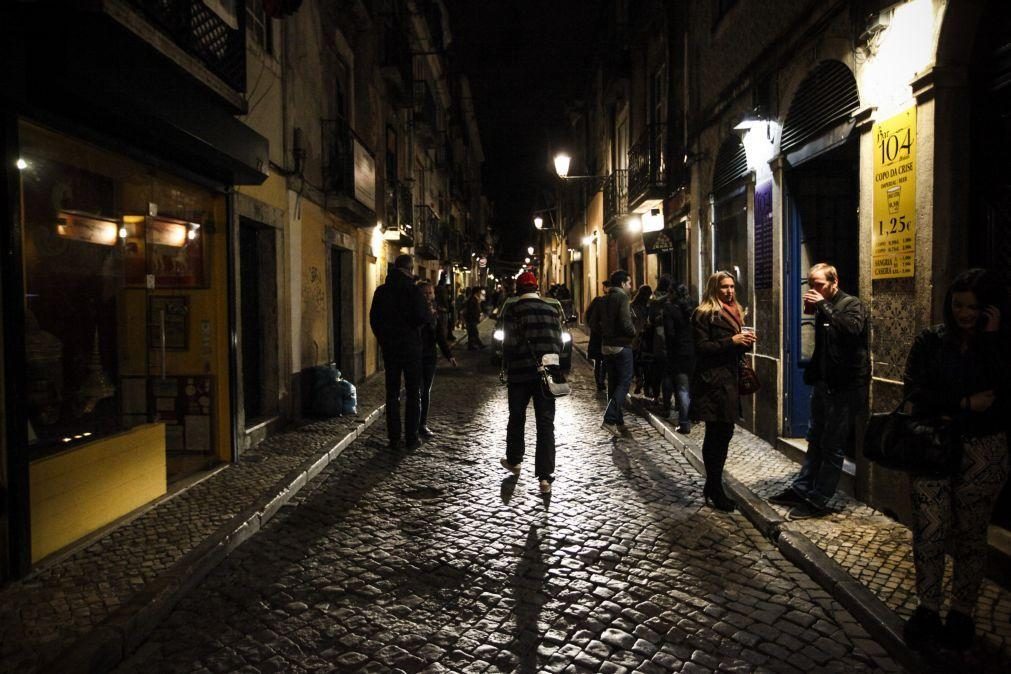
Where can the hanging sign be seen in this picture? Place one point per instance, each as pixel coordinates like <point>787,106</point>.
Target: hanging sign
<point>893,233</point>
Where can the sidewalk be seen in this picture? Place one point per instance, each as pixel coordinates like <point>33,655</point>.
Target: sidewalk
<point>863,558</point>
<point>81,611</point>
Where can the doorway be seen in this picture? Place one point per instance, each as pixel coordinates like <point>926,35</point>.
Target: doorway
<point>341,306</point>
<point>821,202</point>
<point>258,286</point>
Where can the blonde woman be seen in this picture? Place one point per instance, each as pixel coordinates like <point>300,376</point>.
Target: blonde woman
<point>719,345</point>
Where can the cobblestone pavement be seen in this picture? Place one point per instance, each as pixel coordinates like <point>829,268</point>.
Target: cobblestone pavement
<point>434,561</point>
<point>873,548</point>
<point>45,613</point>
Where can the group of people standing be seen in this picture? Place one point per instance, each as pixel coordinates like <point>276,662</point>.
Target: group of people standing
<point>958,371</point>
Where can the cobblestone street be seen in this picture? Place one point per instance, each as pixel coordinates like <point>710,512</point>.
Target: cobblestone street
<point>434,561</point>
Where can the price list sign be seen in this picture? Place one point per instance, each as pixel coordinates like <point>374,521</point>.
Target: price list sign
<point>893,237</point>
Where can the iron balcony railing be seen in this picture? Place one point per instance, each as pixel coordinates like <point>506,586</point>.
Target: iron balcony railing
<point>647,166</point>
<point>200,32</point>
<point>615,198</point>
<point>428,243</point>
<point>339,146</point>
<point>400,213</point>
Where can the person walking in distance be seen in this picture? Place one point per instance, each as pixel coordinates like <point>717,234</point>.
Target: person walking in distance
<point>533,330</point>
<point>839,371</point>
<point>614,322</point>
<point>959,370</point>
<point>593,347</point>
<point>398,312</point>
<point>472,315</point>
<point>433,334</point>
<point>720,343</point>
<point>681,352</point>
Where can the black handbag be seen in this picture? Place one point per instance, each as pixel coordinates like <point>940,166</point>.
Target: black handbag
<point>747,378</point>
<point>922,447</point>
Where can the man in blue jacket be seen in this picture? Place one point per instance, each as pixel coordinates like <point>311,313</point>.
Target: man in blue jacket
<point>613,321</point>
<point>398,311</point>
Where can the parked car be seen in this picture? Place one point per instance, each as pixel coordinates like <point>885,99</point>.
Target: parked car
<point>498,336</point>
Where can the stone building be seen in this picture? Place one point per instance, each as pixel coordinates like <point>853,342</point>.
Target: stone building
<point>201,198</point>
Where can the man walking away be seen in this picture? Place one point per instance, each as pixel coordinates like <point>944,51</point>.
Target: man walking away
<point>593,348</point>
<point>614,321</point>
<point>533,328</point>
<point>472,315</point>
<point>398,312</point>
<point>840,372</point>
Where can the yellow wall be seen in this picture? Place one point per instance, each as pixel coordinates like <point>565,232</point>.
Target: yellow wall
<point>315,291</point>
<point>78,491</point>
<point>273,191</point>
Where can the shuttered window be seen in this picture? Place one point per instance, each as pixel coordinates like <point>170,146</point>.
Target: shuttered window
<point>731,163</point>
<point>825,98</point>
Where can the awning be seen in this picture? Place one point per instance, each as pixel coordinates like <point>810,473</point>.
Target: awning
<point>664,240</point>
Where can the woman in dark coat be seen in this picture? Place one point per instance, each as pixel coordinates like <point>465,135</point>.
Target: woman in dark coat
<point>959,370</point>
<point>719,345</point>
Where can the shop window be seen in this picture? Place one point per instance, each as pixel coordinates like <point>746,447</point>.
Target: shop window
<point>117,269</point>
<point>731,239</point>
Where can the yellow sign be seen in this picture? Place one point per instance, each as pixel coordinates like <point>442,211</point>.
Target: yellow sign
<point>893,237</point>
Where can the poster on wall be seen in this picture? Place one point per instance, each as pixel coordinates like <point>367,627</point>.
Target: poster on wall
<point>893,235</point>
<point>763,236</point>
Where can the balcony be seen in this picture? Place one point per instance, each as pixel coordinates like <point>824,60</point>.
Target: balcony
<point>647,167</point>
<point>428,244</point>
<point>400,215</point>
<point>426,115</point>
<point>615,200</point>
<point>395,61</point>
<point>203,35</point>
<point>349,174</point>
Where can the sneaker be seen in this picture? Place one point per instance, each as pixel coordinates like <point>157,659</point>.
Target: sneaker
<point>684,429</point>
<point>545,487</point>
<point>413,444</point>
<point>787,497</point>
<point>515,470</point>
<point>805,511</point>
<point>613,429</point>
<point>922,629</point>
<point>426,433</point>
<point>959,631</point>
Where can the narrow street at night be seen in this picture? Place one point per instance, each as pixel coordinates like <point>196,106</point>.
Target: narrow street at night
<point>434,560</point>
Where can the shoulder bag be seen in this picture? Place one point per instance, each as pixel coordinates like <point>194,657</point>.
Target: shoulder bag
<point>553,382</point>
<point>747,378</point>
<point>918,446</point>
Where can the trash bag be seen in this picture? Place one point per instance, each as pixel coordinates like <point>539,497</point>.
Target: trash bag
<point>326,397</point>
<point>349,397</point>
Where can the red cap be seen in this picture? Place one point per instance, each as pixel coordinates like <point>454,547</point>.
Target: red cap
<point>526,279</point>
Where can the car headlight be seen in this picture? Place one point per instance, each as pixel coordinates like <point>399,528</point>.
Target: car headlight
<point>498,335</point>
<point>566,338</point>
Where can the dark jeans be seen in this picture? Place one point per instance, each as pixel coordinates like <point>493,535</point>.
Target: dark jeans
<point>714,452</point>
<point>427,377</point>
<point>544,417</point>
<point>682,385</point>
<point>619,378</point>
<point>397,367</point>
<point>473,339</point>
<point>832,417</point>
<point>600,372</point>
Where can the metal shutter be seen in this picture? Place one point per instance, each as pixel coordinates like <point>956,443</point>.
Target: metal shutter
<point>731,163</point>
<point>826,97</point>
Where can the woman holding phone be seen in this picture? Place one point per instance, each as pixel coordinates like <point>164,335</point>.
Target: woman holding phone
<point>959,370</point>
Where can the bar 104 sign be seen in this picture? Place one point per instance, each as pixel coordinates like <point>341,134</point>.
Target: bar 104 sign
<point>893,236</point>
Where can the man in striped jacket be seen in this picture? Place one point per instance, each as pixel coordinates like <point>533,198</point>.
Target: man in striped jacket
<point>533,328</point>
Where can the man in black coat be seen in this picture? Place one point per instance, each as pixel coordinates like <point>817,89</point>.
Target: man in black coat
<point>839,371</point>
<point>398,312</point>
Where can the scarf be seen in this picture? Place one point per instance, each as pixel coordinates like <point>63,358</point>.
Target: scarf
<point>733,314</point>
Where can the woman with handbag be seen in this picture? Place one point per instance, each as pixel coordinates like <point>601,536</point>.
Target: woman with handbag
<point>958,372</point>
<point>719,345</point>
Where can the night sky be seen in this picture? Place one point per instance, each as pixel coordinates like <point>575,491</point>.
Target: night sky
<point>526,60</point>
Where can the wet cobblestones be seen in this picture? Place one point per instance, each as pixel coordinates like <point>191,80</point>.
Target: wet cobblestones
<point>434,561</point>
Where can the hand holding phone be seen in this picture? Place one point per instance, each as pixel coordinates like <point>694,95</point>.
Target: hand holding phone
<point>989,318</point>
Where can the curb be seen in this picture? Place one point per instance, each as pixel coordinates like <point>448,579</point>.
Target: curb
<point>112,640</point>
<point>881,622</point>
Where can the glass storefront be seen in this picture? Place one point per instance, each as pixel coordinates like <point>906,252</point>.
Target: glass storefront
<point>125,301</point>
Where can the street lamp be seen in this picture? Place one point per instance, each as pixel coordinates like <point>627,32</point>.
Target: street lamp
<point>539,222</point>
<point>530,250</point>
<point>562,163</point>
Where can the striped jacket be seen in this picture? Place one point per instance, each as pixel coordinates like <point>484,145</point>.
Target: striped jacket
<point>529,319</point>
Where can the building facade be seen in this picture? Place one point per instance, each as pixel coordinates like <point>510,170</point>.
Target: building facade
<point>861,133</point>
<point>191,231</point>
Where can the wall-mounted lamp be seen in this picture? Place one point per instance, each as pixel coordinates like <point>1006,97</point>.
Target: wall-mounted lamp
<point>562,163</point>
<point>530,250</point>
<point>539,222</point>
<point>589,240</point>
